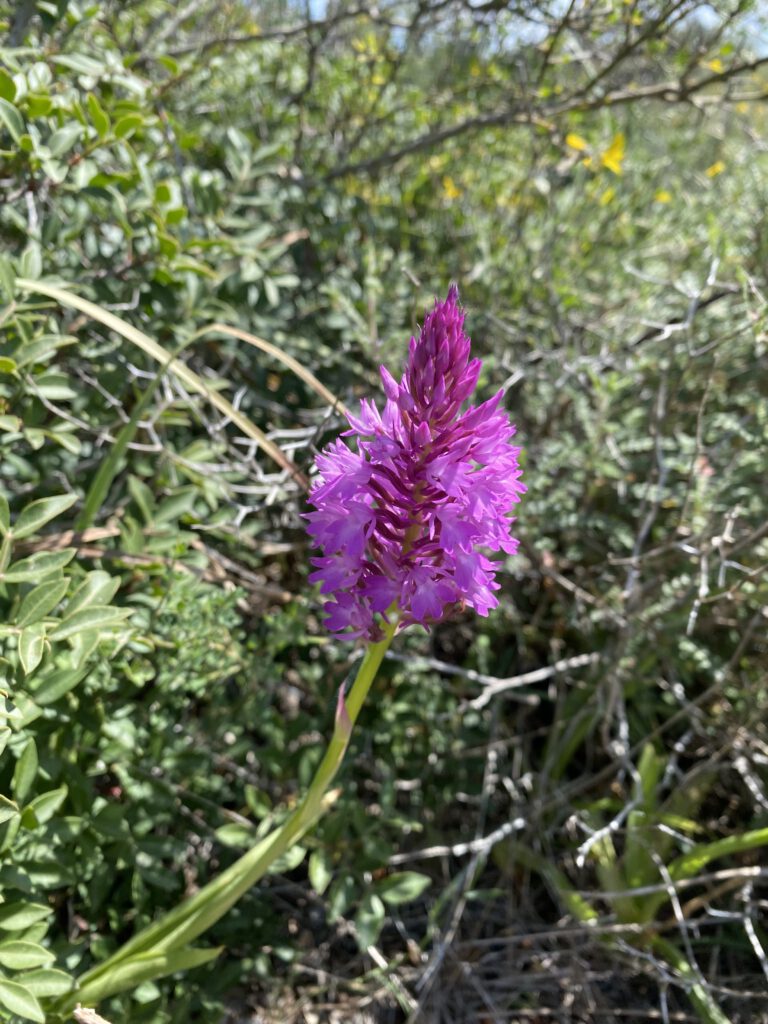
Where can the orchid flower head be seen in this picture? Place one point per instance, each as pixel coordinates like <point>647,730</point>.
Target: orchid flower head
<point>408,508</point>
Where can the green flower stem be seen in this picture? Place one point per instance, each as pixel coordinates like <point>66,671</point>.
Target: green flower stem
<point>186,922</point>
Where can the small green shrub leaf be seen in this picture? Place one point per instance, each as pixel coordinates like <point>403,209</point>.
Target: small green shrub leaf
<point>99,116</point>
<point>19,955</point>
<point>12,119</point>
<point>54,686</point>
<point>402,887</point>
<point>40,512</point>
<point>320,871</point>
<point>7,87</point>
<point>64,139</point>
<point>47,804</point>
<point>25,771</point>
<point>32,647</point>
<point>40,601</point>
<point>42,564</point>
<point>239,836</point>
<point>8,809</point>
<point>7,277</point>
<point>16,917</point>
<point>19,1000</point>
<point>98,587</point>
<point>48,981</point>
<point>95,617</point>
<point>369,920</point>
<point>81,63</point>
<point>127,125</point>
<point>5,515</point>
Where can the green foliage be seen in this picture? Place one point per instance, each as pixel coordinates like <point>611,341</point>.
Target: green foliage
<point>167,684</point>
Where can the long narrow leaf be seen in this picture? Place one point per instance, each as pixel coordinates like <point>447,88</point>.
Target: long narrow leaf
<point>157,352</point>
<point>700,855</point>
<point>190,919</point>
<point>293,364</point>
<point>708,1010</point>
<point>139,969</point>
<point>690,863</point>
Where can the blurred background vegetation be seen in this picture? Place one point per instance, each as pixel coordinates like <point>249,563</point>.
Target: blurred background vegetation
<point>555,814</point>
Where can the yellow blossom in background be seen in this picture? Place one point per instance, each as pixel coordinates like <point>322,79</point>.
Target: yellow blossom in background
<point>607,196</point>
<point>714,169</point>
<point>662,196</point>
<point>450,188</point>
<point>575,142</point>
<point>613,156</point>
<point>715,65</point>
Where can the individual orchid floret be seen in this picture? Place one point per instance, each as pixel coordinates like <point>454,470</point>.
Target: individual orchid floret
<point>405,518</point>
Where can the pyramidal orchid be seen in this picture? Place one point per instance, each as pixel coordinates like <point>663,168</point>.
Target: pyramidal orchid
<point>406,515</point>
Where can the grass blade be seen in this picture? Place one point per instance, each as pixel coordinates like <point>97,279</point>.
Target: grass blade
<point>66,298</point>
<point>293,364</point>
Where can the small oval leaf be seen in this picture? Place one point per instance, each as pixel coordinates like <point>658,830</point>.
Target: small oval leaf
<point>15,917</point>
<point>19,955</point>
<point>40,512</point>
<point>40,601</point>
<point>48,981</point>
<point>19,1000</point>
<point>31,647</point>
<point>402,887</point>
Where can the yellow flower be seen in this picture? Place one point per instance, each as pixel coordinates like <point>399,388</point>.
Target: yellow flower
<point>607,196</point>
<point>714,169</point>
<point>715,65</point>
<point>662,196</point>
<point>575,142</point>
<point>450,188</point>
<point>613,156</point>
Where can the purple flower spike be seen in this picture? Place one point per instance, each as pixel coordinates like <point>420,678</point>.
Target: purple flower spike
<point>405,518</point>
